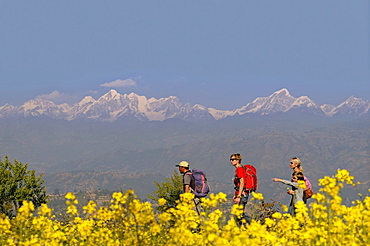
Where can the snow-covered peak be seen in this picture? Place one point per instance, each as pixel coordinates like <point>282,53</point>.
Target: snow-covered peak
<point>282,92</point>
<point>352,106</point>
<point>279,101</point>
<point>141,100</point>
<point>8,111</point>
<point>110,95</point>
<point>220,114</point>
<point>200,107</point>
<point>7,105</point>
<point>304,100</point>
<point>87,99</point>
<point>38,102</point>
<point>132,95</point>
<point>112,106</point>
<point>352,101</point>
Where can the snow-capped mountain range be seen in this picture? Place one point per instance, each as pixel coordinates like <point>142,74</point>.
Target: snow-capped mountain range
<point>112,106</point>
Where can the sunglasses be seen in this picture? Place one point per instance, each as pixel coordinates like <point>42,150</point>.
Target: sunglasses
<point>291,162</point>
<point>233,159</point>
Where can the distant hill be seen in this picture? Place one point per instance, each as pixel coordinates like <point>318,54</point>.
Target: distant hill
<point>92,181</point>
<point>344,145</point>
<point>85,155</point>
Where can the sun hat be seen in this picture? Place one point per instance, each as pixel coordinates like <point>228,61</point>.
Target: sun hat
<point>183,164</point>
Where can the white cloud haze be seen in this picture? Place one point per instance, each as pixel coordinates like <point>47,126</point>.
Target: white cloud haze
<point>59,97</point>
<point>53,96</point>
<point>120,83</point>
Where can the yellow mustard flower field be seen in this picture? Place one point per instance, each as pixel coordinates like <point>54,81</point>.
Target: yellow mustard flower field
<point>128,221</point>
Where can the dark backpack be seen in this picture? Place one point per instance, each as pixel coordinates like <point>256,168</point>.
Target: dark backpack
<point>201,187</point>
<point>251,182</point>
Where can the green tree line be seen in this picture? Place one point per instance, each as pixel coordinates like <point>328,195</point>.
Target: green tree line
<point>17,185</point>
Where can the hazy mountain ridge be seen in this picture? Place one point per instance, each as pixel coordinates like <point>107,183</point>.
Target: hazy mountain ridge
<point>113,106</point>
<point>130,148</point>
<point>125,137</point>
<point>91,180</point>
<point>270,151</point>
<point>322,150</point>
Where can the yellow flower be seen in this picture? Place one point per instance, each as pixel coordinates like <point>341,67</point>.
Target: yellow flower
<point>301,184</point>
<point>277,215</point>
<point>45,210</point>
<point>90,208</point>
<point>161,201</point>
<point>257,196</point>
<point>237,210</point>
<point>344,176</point>
<point>128,221</point>
<point>269,222</point>
<point>27,208</point>
<point>70,196</point>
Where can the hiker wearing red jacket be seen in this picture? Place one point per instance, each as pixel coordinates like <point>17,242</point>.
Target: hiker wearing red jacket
<point>241,195</point>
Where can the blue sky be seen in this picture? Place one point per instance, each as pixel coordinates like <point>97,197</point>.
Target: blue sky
<point>220,54</point>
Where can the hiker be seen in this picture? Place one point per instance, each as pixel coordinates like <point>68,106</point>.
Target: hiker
<point>295,164</point>
<point>189,183</point>
<point>241,195</point>
<point>298,192</point>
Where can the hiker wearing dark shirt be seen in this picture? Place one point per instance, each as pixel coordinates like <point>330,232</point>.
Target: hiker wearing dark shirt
<point>188,182</point>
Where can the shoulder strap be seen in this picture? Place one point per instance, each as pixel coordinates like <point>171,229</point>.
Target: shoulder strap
<point>191,177</point>
<point>188,173</point>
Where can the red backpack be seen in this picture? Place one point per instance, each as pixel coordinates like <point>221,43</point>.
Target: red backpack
<point>251,181</point>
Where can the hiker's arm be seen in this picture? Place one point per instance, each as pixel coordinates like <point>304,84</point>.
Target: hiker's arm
<point>287,182</point>
<point>187,182</point>
<point>277,180</point>
<point>240,191</point>
<point>241,187</point>
<point>186,188</point>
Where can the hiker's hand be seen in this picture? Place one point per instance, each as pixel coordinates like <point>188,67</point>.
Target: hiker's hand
<point>236,200</point>
<point>275,179</point>
<point>290,192</point>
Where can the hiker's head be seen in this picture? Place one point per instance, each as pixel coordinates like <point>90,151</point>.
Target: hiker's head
<point>295,162</point>
<point>297,176</point>
<point>183,166</point>
<point>236,158</point>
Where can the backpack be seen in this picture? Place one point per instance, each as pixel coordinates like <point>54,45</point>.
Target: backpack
<point>251,181</point>
<point>308,192</point>
<point>201,187</point>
